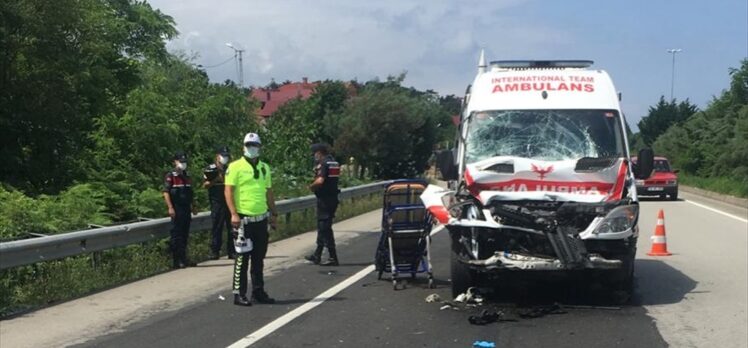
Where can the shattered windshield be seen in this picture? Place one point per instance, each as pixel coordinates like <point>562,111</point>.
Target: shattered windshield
<point>547,135</point>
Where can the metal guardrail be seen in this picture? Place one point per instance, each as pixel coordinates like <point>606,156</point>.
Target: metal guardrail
<point>29,251</point>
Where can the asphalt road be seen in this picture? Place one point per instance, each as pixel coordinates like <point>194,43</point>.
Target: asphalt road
<point>695,298</point>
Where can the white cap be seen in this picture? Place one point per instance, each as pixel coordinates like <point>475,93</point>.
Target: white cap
<point>252,138</point>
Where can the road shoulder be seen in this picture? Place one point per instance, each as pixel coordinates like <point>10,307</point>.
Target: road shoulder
<point>112,310</point>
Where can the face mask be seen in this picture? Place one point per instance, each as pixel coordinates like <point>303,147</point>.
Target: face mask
<point>223,159</point>
<point>252,151</point>
<point>182,165</point>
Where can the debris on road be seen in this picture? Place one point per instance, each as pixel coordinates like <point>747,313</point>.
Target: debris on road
<point>433,298</point>
<point>220,297</point>
<point>541,311</point>
<point>485,317</point>
<point>471,296</point>
<point>449,305</point>
<point>484,344</point>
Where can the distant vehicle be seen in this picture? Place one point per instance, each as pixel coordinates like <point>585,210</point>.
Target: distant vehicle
<point>662,183</point>
<point>541,181</point>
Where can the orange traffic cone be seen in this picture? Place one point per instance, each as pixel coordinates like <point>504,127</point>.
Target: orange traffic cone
<point>659,241</point>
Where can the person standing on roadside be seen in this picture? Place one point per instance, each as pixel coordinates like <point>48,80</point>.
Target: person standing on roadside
<point>213,180</point>
<point>325,188</point>
<point>249,197</point>
<point>180,202</point>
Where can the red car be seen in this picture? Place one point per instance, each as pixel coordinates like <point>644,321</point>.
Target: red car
<point>663,182</point>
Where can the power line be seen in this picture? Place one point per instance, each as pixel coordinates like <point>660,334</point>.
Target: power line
<point>217,65</point>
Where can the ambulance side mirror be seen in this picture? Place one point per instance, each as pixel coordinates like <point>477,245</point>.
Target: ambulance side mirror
<point>644,164</point>
<point>445,162</point>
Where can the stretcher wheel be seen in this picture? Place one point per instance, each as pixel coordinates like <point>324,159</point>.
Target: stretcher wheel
<point>431,284</point>
<point>379,275</point>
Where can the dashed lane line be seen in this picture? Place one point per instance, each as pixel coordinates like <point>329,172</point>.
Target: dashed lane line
<point>306,307</point>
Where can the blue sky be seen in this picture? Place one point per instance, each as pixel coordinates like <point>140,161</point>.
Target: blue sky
<point>437,42</point>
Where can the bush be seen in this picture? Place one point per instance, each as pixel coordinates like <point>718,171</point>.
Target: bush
<point>72,209</point>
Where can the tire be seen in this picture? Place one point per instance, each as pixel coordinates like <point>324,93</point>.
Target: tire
<point>622,282</point>
<point>462,276</point>
<point>674,196</point>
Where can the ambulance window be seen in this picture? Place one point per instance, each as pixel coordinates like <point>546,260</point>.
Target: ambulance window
<point>550,135</point>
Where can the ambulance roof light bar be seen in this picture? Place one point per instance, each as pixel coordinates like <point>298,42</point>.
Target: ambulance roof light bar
<point>541,64</point>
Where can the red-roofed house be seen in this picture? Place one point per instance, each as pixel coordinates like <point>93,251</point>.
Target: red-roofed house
<point>271,99</point>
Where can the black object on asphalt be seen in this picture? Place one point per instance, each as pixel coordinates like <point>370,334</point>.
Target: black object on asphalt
<point>485,317</point>
<point>541,311</point>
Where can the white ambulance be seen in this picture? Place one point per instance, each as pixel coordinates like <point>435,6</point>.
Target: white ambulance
<point>541,179</point>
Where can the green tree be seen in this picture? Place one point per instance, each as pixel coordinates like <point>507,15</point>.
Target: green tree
<point>662,116</point>
<point>176,108</point>
<point>328,100</point>
<point>714,142</point>
<point>287,138</point>
<point>389,130</point>
<point>62,64</point>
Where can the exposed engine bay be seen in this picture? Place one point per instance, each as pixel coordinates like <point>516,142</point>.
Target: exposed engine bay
<point>541,235</point>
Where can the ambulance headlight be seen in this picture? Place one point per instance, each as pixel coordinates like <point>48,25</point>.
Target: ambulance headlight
<point>619,219</point>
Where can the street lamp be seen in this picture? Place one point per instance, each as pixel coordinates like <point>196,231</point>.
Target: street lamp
<point>240,66</point>
<point>673,51</point>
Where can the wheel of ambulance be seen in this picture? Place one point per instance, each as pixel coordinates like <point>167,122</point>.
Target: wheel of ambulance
<point>622,280</point>
<point>462,276</point>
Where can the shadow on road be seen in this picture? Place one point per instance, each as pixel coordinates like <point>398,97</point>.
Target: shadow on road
<point>658,283</point>
<point>658,199</point>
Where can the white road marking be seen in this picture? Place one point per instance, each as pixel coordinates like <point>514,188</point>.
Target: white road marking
<point>288,317</point>
<point>718,211</point>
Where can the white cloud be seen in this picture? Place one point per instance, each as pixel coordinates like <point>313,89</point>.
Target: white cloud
<point>437,42</point>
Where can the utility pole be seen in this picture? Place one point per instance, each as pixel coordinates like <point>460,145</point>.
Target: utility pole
<point>673,51</point>
<point>238,53</point>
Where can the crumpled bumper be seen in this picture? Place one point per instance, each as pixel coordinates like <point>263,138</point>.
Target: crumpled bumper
<point>513,261</point>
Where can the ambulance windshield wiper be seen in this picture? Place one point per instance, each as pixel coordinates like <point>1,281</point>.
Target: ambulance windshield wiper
<point>594,164</point>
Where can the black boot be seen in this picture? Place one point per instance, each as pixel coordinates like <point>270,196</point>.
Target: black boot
<point>184,262</point>
<point>313,258</point>
<point>260,296</point>
<point>330,262</point>
<point>176,263</point>
<point>333,260</point>
<point>241,300</point>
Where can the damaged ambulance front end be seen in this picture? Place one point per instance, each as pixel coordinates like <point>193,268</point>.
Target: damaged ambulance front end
<point>540,189</point>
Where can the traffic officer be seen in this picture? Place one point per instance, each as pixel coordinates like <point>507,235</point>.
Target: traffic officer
<point>325,188</point>
<point>213,176</point>
<point>249,196</point>
<point>179,200</point>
